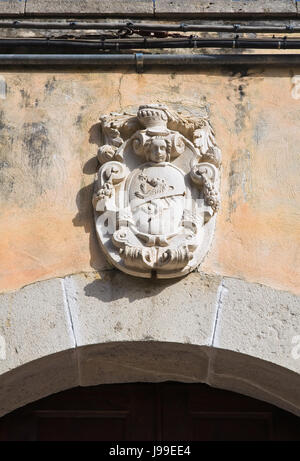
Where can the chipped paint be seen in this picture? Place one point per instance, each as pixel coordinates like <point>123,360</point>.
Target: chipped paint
<point>3,88</point>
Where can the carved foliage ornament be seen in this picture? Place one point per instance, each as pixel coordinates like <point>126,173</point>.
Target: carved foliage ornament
<point>157,191</point>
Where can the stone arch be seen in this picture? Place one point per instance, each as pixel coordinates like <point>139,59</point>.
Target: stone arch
<point>151,361</point>
<point>92,329</point>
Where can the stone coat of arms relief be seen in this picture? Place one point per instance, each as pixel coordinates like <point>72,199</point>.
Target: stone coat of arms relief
<point>157,191</point>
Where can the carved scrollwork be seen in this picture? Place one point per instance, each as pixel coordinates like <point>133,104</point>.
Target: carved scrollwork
<point>154,165</point>
<point>106,153</point>
<point>176,258</point>
<point>110,174</point>
<point>204,176</point>
<point>116,127</point>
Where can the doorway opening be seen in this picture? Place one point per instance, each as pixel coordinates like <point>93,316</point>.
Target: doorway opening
<point>149,412</point>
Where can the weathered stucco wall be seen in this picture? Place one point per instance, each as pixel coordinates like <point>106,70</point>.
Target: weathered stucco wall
<point>49,139</point>
<point>234,325</point>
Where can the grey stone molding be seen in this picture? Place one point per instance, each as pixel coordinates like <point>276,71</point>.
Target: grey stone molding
<point>149,8</point>
<point>207,8</point>
<point>95,328</point>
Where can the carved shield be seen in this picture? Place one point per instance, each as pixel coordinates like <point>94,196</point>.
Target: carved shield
<point>156,198</point>
<point>156,193</point>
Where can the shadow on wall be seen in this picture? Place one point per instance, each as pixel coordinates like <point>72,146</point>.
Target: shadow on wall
<point>84,217</point>
<point>113,285</point>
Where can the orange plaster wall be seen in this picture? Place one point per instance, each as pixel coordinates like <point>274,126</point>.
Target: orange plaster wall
<point>49,139</point>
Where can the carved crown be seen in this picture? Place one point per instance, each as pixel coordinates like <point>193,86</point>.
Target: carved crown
<point>152,115</point>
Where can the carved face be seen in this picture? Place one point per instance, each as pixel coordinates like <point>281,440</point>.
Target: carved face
<point>158,151</point>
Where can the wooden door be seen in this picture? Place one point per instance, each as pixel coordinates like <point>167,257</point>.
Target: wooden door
<point>149,412</point>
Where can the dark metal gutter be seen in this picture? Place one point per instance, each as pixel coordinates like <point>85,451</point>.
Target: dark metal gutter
<point>58,45</point>
<point>141,62</point>
<point>78,25</point>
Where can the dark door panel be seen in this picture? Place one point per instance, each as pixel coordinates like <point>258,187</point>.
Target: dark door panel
<point>149,412</point>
